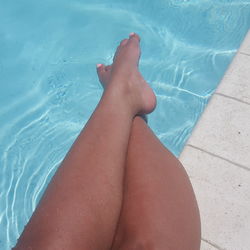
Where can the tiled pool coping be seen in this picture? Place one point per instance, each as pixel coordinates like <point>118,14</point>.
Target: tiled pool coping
<point>217,159</point>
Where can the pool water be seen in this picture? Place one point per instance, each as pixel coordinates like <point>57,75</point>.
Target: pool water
<point>49,87</point>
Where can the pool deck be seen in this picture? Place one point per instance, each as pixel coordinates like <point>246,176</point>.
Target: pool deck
<point>217,159</point>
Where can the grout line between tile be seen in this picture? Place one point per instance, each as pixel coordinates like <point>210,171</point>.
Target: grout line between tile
<point>230,97</point>
<point>220,157</point>
<point>243,53</point>
<point>212,244</point>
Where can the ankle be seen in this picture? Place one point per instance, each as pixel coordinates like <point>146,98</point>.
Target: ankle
<point>117,101</point>
<point>124,95</point>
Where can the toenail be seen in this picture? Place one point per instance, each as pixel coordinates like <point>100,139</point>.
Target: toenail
<point>131,34</point>
<point>98,65</point>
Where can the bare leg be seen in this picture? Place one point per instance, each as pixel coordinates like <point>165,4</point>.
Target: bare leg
<point>159,207</point>
<point>81,205</point>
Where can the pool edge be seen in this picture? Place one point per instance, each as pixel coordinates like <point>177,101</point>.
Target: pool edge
<point>218,146</point>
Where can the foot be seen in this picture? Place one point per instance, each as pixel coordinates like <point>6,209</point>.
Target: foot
<point>123,76</point>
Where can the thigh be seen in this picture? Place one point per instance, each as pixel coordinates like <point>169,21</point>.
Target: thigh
<point>159,206</point>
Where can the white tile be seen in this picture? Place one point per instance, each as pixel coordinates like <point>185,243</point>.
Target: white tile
<point>222,191</point>
<point>245,47</point>
<point>236,82</point>
<point>206,246</point>
<point>224,130</point>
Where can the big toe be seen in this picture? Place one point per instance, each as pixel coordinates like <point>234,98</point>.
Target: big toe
<point>134,40</point>
<point>134,46</point>
<point>134,37</point>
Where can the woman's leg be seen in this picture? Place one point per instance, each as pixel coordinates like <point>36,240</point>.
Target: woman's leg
<point>159,207</point>
<point>81,205</point>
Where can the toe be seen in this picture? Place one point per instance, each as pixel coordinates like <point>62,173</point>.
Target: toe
<point>134,37</point>
<point>100,68</point>
<point>121,45</point>
<point>104,73</point>
<point>123,42</point>
<point>108,68</point>
<point>134,42</point>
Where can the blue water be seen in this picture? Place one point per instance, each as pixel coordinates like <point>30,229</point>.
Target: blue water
<point>48,83</point>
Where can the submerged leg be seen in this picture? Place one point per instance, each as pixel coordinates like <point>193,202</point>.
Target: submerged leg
<point>159,207</point>
<point>81,205</point>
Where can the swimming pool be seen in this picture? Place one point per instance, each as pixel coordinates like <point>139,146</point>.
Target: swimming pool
<point>48,84</point>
